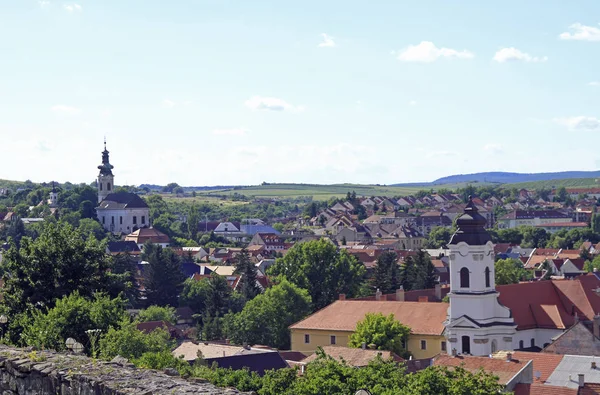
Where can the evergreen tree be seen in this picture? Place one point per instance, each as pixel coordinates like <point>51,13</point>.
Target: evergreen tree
<point>248,272</point>
<point>164,279</point>
<point>418,272</point>
<point>386,276</point>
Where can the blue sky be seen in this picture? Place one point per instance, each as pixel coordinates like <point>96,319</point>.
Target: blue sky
<point>205,92</point>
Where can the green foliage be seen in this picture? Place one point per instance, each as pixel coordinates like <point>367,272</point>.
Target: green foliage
<point>160,360</point>
<point>385,332</point>
<point>165,278</point>
<point>589,266</point>
<point>320,268</point>
<point>128,342</point>
<point>266,318</point>
<point>158,313</point>
<point>418,272</point>
<point>439,237</point>
<point>71,317</point>
<point>58,263</point>
<point>91,227</point>
<point>247,270</point>
<point>328,376</point>
<point>510,271</point>
<point>386,275</point>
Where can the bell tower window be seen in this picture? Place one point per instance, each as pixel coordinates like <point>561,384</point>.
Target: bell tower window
<point>464,278</point>
<point>108,186</point>
<point>487,277</point>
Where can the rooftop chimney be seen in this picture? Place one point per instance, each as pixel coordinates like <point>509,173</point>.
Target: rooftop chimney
<point>342,297</point>
<point>438,291</point>
<point>378,294</point>
<point>596,326</point>
<point>508,356</point>
<point>400,294</point>
<point>581,378</point>
<point>593,364</point>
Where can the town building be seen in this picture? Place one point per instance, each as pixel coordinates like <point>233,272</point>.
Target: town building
<point>118,212</point>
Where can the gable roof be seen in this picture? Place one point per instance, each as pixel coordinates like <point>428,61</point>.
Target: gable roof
<point>577,340</point>
<point>541,389</point>
<point>543,363</point>
<point>356,357</point>
<point>122,200</point>
<point>343,315</point>
<point>153,235</point>
<point>115,247</point>
<point>505,370</point>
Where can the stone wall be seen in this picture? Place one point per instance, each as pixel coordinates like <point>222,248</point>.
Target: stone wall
<point>44,372</point>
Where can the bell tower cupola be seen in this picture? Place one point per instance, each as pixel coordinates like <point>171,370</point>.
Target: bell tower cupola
<point>105,177</point>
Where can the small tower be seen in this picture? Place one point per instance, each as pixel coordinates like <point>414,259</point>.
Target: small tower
<point>106,177</point>
<point>477,323</point>
<point>53,196</point>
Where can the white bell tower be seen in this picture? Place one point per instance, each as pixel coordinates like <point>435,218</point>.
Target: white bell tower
<point>477,323</point>
<point>105,178</point>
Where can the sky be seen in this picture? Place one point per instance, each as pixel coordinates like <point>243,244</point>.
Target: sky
<point>225,92</point>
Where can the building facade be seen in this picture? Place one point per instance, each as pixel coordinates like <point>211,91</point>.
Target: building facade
<point>477,323</point>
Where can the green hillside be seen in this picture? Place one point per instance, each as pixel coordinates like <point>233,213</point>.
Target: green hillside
<point>550,184</point>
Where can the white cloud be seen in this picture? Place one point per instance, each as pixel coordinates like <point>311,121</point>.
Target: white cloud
<point>493,148</point>
<point>594,83</point>
<point>513,54</point>
<point>327,41</point>
<point>582,33</point>
<point>168,103</point>
<point>61,108</point>
<point>412,103</point>
<point>73,7</point>
<point>43,3</point>
<point>580,123</point>
<point>230,132</point>
<point>271,103</point>
<point>427,52</point>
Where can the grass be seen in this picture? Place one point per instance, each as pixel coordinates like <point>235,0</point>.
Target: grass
<point>325,192</point>
<point>550,184</point>
<point>199,198</point>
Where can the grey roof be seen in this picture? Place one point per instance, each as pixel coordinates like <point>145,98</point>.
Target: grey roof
<point>121,200</point>
<point>471,227</point>
<point>566,373</point>
<point>254,229</point>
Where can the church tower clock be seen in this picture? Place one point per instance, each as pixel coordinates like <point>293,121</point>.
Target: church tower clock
<point>477,323</point>
<point>105,178</point>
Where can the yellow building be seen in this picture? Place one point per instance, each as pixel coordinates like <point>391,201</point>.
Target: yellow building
<point>334,324</point>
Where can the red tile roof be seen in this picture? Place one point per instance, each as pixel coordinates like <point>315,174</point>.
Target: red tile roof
<point>498,367</point>
<point>343,315</point>
<point>543,363</point>
<point>542,389</point>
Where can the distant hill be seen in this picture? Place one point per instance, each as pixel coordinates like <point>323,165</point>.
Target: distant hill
<point>511,178</point>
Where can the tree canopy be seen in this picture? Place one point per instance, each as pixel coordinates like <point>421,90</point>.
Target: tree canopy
<point>382,332</point>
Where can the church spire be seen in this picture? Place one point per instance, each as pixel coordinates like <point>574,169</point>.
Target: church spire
<point>105,167</point>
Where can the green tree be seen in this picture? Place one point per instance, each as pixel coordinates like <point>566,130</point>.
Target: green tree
<point>386,276</point>
<point>158,313</point>
<point>385,332</point>
<point>248,275</point>
<point>418,272</point>
<point>58,263</point>
<point>595,223</point>
<point>266,318</point>
<point>533,237</point>
<point>320,268</point>
<point>561,194</point>
<point>439,237</point>
<point>510,235</point>
<point>88,226</point>
<point>129,342</point>
<point>165,278</point>
<point>87,210</point>
<point>71,317</point>
<point>589,266</point>
<point>510,271</point>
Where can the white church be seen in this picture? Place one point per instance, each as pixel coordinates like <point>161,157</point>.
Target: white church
<point>120,212</point>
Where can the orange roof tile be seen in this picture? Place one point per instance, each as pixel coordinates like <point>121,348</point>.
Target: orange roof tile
<point>504,370</point>
<point>356,357</point>
<point>343,315</point>
<point>590,389</point>
<point>541,389</point>
<point>543,363</point>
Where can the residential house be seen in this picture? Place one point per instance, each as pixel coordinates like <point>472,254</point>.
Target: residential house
<point>152,235</point>
<point>356,357</point>
<point>334,324</point>
<point>532,218</point>
<point>579,339</point>
<point>271,241</point>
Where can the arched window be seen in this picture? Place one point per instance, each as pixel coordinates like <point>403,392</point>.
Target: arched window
<point>466,345</point>
<point>100,185</point>
<point>494,346</point>
<point>487,277</point>
<point>521,344</point>
<point>464,277</point>
<point>108,186</point>
<point>532,342</point>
